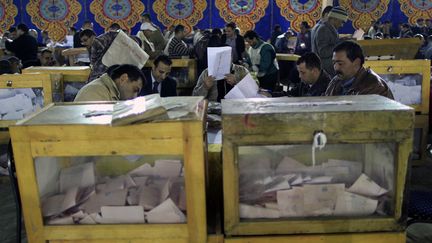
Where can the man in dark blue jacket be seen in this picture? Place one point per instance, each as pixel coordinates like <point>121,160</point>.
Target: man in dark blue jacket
<point>158,80</point>
<point>24,46</point>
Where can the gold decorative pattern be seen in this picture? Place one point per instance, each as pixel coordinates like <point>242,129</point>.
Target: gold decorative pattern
<point>415,9</point>
<point>7,15</point>
<point>363,14</point>
<point>297,12</point>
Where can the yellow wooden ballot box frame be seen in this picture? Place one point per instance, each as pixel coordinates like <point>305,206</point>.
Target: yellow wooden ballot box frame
<point>251,124</point>
<point>17,81</point>
<point>407,67</point>
<point>169,138</point>
<point>78,74</point>
<point>404,48</point>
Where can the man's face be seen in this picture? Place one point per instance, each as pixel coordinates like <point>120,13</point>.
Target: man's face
<point>229,32</point>
<point>47,59</point>
<point>306,75</point>
<point>88,26</point>
<point>181,34</point>
<point>338,23</point>
<point>251,42</point>
<point>87,41</point>
<point>129,89</point>
<point>161,71</point>
<point>343,66</point>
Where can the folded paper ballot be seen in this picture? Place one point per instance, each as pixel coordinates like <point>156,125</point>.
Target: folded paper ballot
<point>366,187</point>
<point>16,104</point>
<point>350,204</point>
<point>167,168</point>
<point>140,109</point>
<point>143,170</point>
<point>122,215</point>
<point>290,202</point>
<point>253,212</point>
<point>77,176</point>
<point>166,212</point>
<point>246,88</point>
<point>320,200</point>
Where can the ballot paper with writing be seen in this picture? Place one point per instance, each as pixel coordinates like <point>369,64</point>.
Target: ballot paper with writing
<point>358,34</point>
<point>140,109</point>
<point>124,50</point>
<point>219,61</point>
<point>246,88</point>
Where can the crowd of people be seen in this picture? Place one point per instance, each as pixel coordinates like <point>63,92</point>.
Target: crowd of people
<point>328,64</point>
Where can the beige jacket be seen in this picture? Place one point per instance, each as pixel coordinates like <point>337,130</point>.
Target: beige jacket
<point>100,89</point>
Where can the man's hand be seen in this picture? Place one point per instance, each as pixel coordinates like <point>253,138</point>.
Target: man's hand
<point>231,79</point>
<point>209,82</point>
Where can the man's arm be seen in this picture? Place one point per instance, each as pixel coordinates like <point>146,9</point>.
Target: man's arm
<point>325,43</point>
<point>93,93</point>
<point>201,89</point>
<point>267,58</point>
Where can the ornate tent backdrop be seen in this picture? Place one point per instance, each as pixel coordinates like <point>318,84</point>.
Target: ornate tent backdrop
<point>416,9</point>
<point>244,13</point>
<point>363,13</point>
<point>297,11</point>
<point>127,13</point>
<point>8,12</point>
<point>56,15</point>
<point>173,12</point>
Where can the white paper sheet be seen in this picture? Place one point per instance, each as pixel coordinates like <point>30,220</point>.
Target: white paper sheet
<point>358,34</point>
<point>123,215</point>
<point>143,170</point>
<point>167,212</point>
<point>77,176</point>
<point>219,61</point>
<point>290,202</point>
<point>366,187</point>
<point>254,212</point>
<point>350,204</point>
<point>124,50</point>
<point>167,168</point>
<point>320,200</point>
<point>246,88</point>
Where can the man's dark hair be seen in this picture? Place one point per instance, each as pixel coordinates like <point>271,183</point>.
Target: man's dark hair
<point>305,24</point>
<point>12,29</point>
<point>87,21</point>
<point>387,22</point>
<point>133,72</point>
<point>352,50</point>
<point>405,25</point>
<point>232,25</point>
<point>73,29</point>
<point>146,15</point>
<point>179,28</point>
<point>46,50</point>
<point>87,32</point>
<point>216,31</point>
<point>162,58</point>
<point>250,34</point>
<point>311,60</point>
<point>420,20</point>
<point>5,67</point>
<point>114,26</point>
<point>23,28</point>
<point>326,10</point>
<point>13,59</point>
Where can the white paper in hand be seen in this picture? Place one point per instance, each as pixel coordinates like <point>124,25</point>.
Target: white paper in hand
<point>246,88</point>
<point>124,50</point>
<point>219,61</point>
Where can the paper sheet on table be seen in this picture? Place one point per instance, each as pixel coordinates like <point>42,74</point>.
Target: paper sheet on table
<point>366,187</point>
<point>358,34</point>
<point>124,214</point>
<point>167,212</point>
<point>246,88</point>
<point>290,202</point>
<point>77,176</point>
<point>254,212</point>
<point>350,204</point>
<point>125,50</point>
<point>219,61</point>
<point>320,200</point>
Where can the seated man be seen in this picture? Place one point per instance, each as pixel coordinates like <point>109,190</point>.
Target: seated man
<point>46,58</point>
<point>160,81</point>
<point>215,90</point>
<point>351,77</point>
<point>314,79</point>
<point>176,47</point>
<point>121,82</point>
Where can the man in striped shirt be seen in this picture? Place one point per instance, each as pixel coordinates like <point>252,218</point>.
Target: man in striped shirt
<point>176,46</point>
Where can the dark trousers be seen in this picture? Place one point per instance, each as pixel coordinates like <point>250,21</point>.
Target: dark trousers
<point>269,81</point>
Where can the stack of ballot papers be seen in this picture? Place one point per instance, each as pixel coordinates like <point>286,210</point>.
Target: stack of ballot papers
<point>147,194</point>
<point>15,104</point>
<point>291,189</point>
<point>406,90</point>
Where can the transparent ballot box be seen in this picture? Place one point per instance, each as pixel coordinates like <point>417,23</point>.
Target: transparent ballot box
<point>73,78</point>
<point>83,179</point>
<point>314,165</point>
<point>409,80</point>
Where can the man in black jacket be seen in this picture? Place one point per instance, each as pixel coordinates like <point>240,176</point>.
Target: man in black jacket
<point>24,46</point>
<point>237,42</point>
<point>314,79</point>
<point>158,80</point>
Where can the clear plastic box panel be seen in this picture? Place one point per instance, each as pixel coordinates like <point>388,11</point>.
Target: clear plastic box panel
<point>16,104</point>
<point>71,90</point>
<point>406,88</point>
<point>131,189</point>
<point>347,180</point>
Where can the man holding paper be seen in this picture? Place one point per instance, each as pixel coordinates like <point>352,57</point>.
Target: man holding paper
<point>220,76</point>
